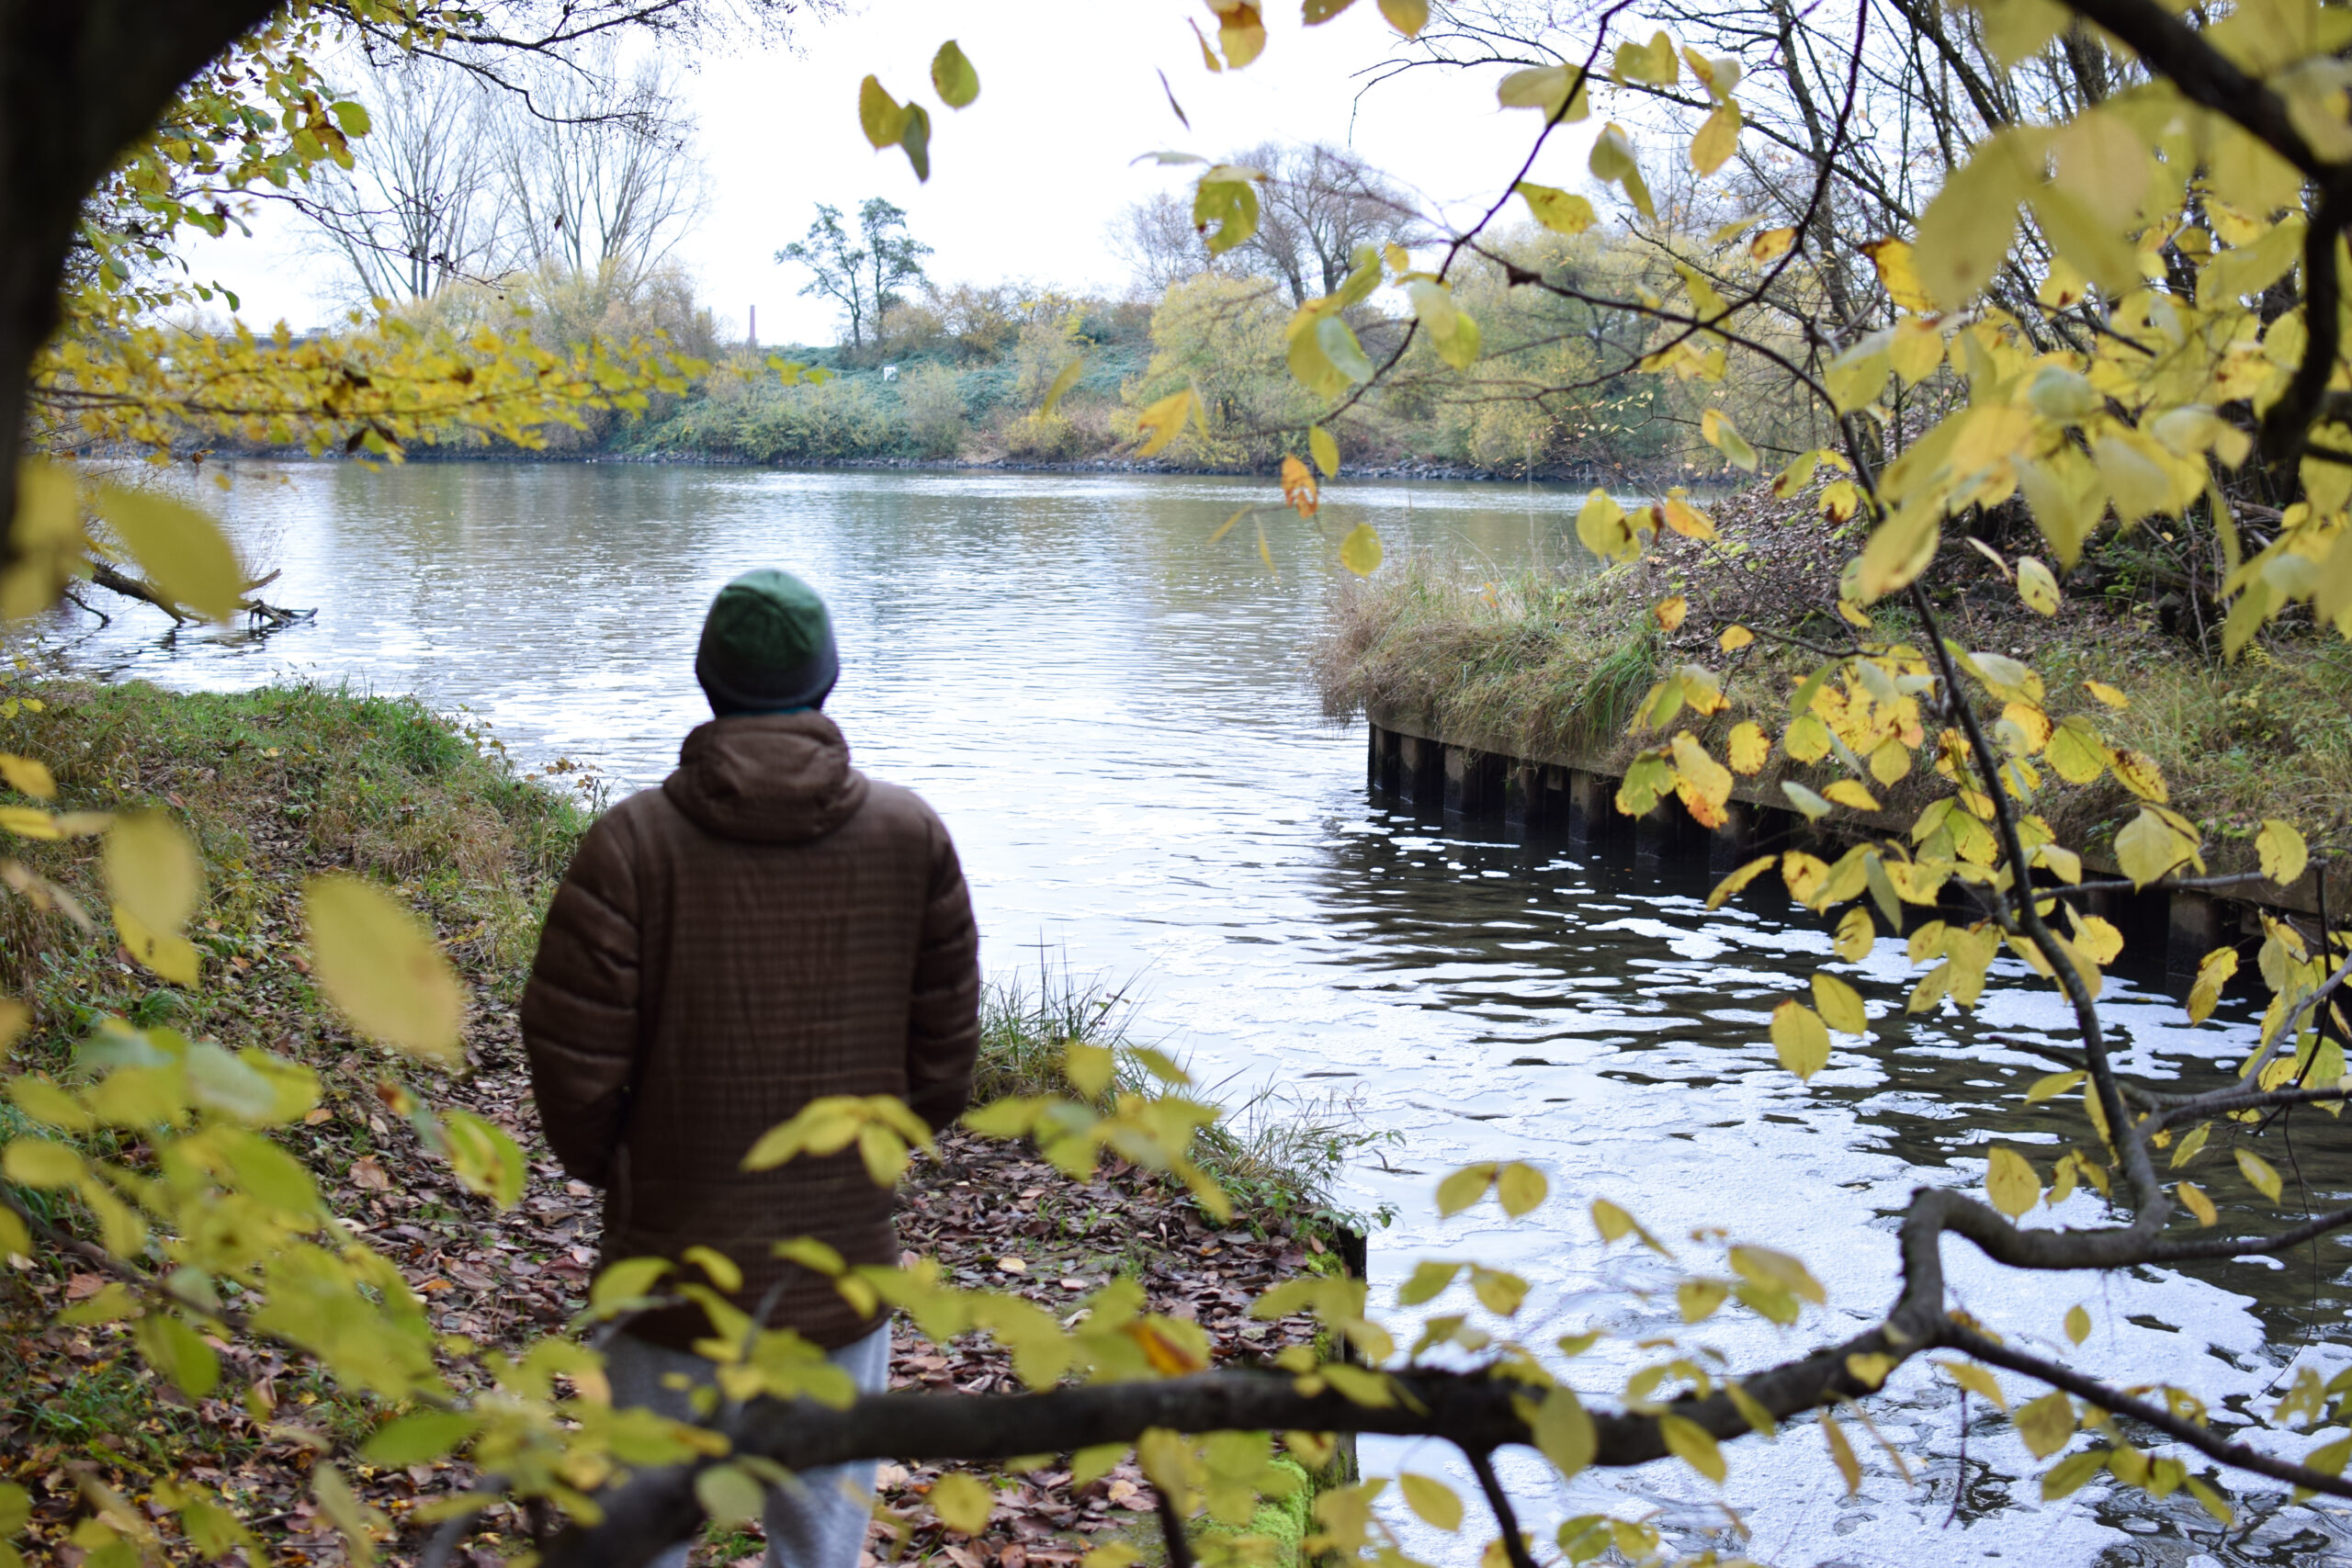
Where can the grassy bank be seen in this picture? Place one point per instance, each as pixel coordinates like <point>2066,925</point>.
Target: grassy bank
<point>277,784</point>
<point>1556,663</point>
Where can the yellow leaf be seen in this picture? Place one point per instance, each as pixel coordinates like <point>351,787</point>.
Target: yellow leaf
<point>2076,751</point>
<point>1520,1189</point>
<point>1669,611</point>
<point>26,776</point>
<point>2037,587</point>
<point>1889,760</point>
<point>1915,351</point>
<point>166,952</point>
<point>1693,1445</point>
<point>1360,552</point>
<point>1898,550</point>
<point>880,115</point>
<point>2052,1086</point>
<point>1062,384</point>
<point>2193,1197</point>
<point>1686,519</point>
<point>1710,779</point>
<point>1976,1380</point>
<point>380,965</point>
<point>2139,775</point>
<point>2098,937</point>
<point>1433,1500</point>
<point>1800,1038</point>
<point>1407,16</point>
<point>1966,230</point>
<point>962,1503</point>
<point>2010,1182</point>
<point>1717,139</point>
<point>2046,1424</point>
<point>1165,419</point>
<point>1602,526</point>
<point>2148,846</point>
<point>2078,1324</point>
<point>180,549</point>
<point>2260,1174</point>
<point>1732,641</point>
<point>1564,1433</point>
<point>1840,1004</point>
<point>1898,277</point>
<point>1739,879</point>
<point>1240,31</point>
<point>2282,851</point>
<point>1324,449</point>
<point>2107,693</point>
<point>153,871</point>
<point>1846,792</point>
<point>1749,746</point>
<point>1841,1453</point>
<point>1856,936</point>
<point>952,77</point>
<point>1463,1188</point>
<point>1770,245</point>
<point>1563,212</point>
<point>1840,499</point>
<point>1717,430</point>
<point>1558,90</point>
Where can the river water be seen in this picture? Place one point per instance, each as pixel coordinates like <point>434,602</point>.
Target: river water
<point>1112,715</point>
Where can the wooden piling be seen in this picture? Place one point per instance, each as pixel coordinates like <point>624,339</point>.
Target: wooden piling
<point>2193,929</point>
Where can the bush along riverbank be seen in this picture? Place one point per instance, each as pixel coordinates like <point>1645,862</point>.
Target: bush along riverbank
<point>274,785</point>
<point>1572,663</point>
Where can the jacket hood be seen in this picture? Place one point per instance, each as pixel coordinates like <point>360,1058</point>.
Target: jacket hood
<point>766,778</point>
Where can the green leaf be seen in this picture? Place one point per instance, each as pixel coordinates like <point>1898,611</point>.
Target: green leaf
<point>1326,452</point>
<point>485,1158</point>
<point>39,1162</point>
<point>1564,1433</point>
<point>627,1281</point>
<point>180,549</point>
<point>380,965</point>
<point>1426,1282</point>
<point>179,1353</point>
<point>2046,1424</point>
<point>2259,1173</point>
<point>416,1440</point>
<point>2068,1474</point>
<point>2078,1323</point>
<point>16,1509</point>
<point>729,1495</point>
<point>952,77</point>
<point>1360,552</point>
<point>962,1503</point>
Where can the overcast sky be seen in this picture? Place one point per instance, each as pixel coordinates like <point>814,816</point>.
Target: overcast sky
<point>1024,181</point>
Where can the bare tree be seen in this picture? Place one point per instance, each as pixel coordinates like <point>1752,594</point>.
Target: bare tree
<point>598,171</point>
<point>414,210</point>
<point>1156,238</point>
<point>1319,204</point>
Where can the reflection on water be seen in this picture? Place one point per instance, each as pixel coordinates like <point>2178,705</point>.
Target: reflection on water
<point>1112,716</point>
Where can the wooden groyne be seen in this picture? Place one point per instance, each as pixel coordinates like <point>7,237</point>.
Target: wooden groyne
<point>1413,761</point>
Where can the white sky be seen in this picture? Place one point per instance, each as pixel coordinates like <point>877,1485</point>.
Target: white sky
<point>1024,181</point>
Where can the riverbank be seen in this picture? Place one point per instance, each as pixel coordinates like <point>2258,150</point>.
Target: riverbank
<point>277,784</point>
<point>1553,664</point>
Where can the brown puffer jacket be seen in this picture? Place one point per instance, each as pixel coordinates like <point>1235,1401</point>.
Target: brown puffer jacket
<point>768,927</point>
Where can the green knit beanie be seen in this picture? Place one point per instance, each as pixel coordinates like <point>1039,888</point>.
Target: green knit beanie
<point>767,646</point>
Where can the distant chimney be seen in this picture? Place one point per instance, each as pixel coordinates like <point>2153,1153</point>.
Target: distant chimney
<point>755,326</point>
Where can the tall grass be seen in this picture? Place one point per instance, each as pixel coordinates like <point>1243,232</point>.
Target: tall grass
<point>1276,1156</point>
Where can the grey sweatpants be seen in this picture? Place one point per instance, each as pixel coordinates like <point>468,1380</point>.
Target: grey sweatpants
<point>816,1520</point>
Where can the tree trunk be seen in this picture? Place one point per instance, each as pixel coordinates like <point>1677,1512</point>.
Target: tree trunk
<point>79,81</point>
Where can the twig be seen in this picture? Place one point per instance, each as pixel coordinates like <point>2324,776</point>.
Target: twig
<point>1482,1461</point>
<point>1172,1530</point>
